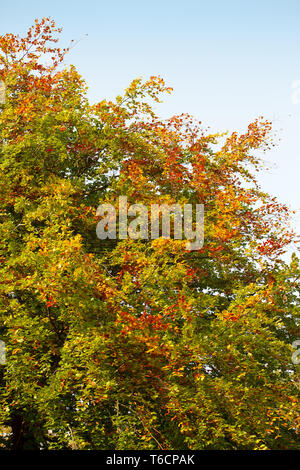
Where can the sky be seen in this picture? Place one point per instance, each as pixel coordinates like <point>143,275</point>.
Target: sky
<point>228,62</point>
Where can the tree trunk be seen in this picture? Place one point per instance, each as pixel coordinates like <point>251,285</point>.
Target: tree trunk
<point>17,425</point>
<point>22,436</point>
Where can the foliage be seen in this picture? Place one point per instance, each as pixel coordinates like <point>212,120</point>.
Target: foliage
<point>136,344</point>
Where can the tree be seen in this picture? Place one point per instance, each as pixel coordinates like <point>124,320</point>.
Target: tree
<point>136,344</point>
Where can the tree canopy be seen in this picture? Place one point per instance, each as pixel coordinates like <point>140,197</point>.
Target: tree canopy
<point>136,344</point>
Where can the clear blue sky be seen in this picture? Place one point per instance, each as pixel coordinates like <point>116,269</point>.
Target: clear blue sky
<point>228,61</point>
